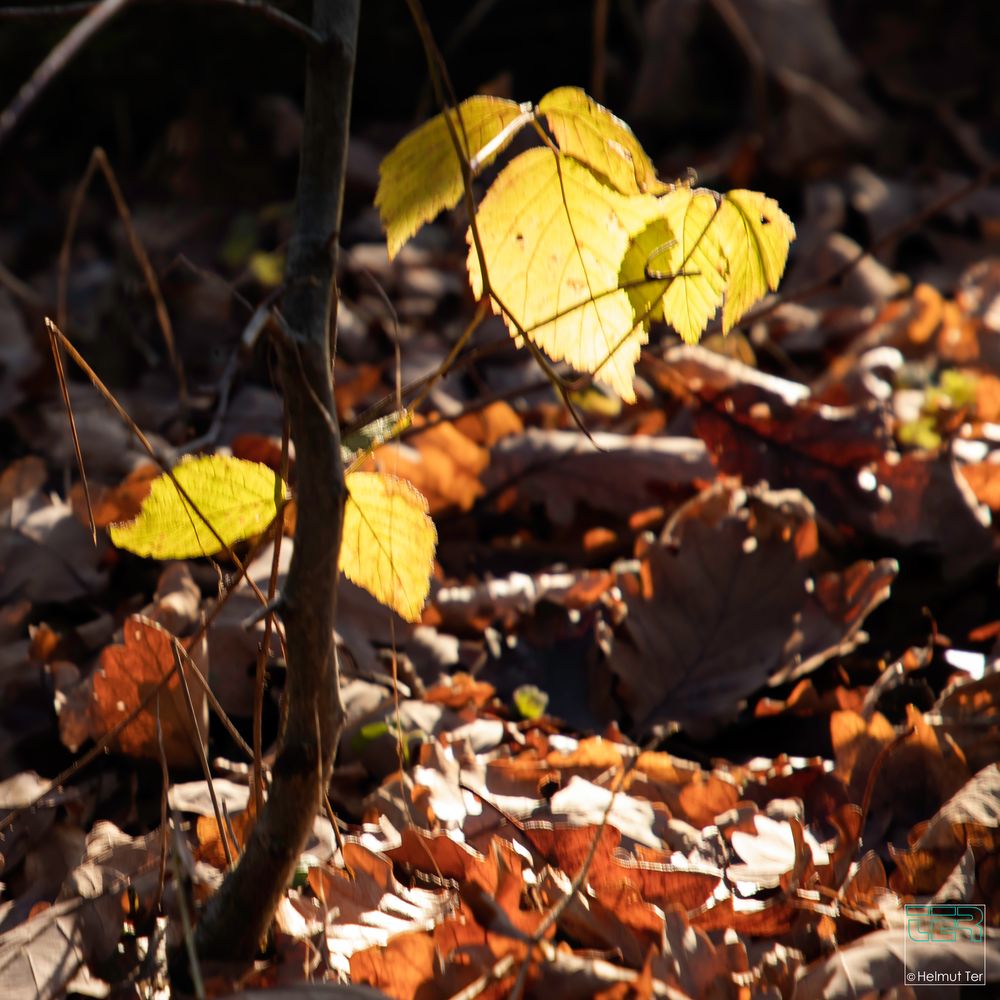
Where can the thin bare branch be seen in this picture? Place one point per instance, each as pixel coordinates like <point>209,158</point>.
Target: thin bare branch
<point>269,12</point>
<point>238,915</point>
<point>199,747</point>
<point>56,61</point>
<point>64,390</point>
<point>99,161</point>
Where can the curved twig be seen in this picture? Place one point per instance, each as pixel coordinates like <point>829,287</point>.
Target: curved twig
<point>56,61</point>
<point>273,14</point>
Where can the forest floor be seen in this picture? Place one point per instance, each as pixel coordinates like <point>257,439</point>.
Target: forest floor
<point>701,701</point>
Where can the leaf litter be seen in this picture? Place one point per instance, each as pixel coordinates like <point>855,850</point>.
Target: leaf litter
<point>707,599</point>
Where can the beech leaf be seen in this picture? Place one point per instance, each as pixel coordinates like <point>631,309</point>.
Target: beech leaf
<point>238,498</point>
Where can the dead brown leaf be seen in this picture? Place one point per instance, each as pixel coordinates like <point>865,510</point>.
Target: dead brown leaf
<point>723,605</point>
<point>613,472</point>
<point>127,673</point>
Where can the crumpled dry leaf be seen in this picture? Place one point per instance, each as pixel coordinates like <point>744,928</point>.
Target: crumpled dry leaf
<point>31,825</point>
<point>368,907</point>
<point>920,773</point>
<point>969,711</point>
<point>840,458</point>
<point>724,604</point>
<point>48,556</point>
<point>20,482</point>
<point>875,963</point>
<point>621,474</point>
<point>441,462</point>
<point>109,450</point>
<point>975,807</point>
<point>43,957</point>
<point>125,675</point>
<point>507,598</point>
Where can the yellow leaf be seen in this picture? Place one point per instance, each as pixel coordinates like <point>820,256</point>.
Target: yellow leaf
<point>554,237</point>
<point>267,268</point>
<point>646,268</point>
<point>422,175</point>
<point>697,262</point>
<point>590,133</point>
<point>239,499</point>
<point>389,540</point>
<point>756,235</point>
<point>705,250</point>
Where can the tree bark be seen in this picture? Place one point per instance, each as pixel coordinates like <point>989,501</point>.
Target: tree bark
<point>238,916</point>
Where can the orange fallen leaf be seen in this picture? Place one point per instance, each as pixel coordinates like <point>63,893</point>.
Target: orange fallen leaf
<point>125,676</point>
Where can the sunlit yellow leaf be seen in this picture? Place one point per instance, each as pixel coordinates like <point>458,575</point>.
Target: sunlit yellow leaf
<point>238,498</point>
<point>554,237</point>
<point>267,268</point>
<point>590,133</point>
<point>697,262</point>
<point>422,175</point>
<point>389,540</point>
<point>756,235</point>
<point>531,701</point>
<point>705,250</point>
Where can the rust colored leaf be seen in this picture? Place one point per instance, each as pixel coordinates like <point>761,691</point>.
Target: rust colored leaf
<point>441,462</point>
<point>436,853</point>
<point>127,673</point>
<point>687,790</point>
<point>400,968</point>
<point>984,481</point>
<point>592,758</point>
<point>491,424</point>
<point>460,690</point>
<point>761,428</point>
<point>856,744</point>
<point>665,885</point>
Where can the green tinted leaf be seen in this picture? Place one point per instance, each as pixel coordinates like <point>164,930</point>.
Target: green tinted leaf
<point>422,175</point>
<point>267,268</point>
<point>958,389</point>
<point>706,250</point>
<point>370,436</point>
<point>238,498</point>
<point>920,433</point>
<point>530,701</point>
